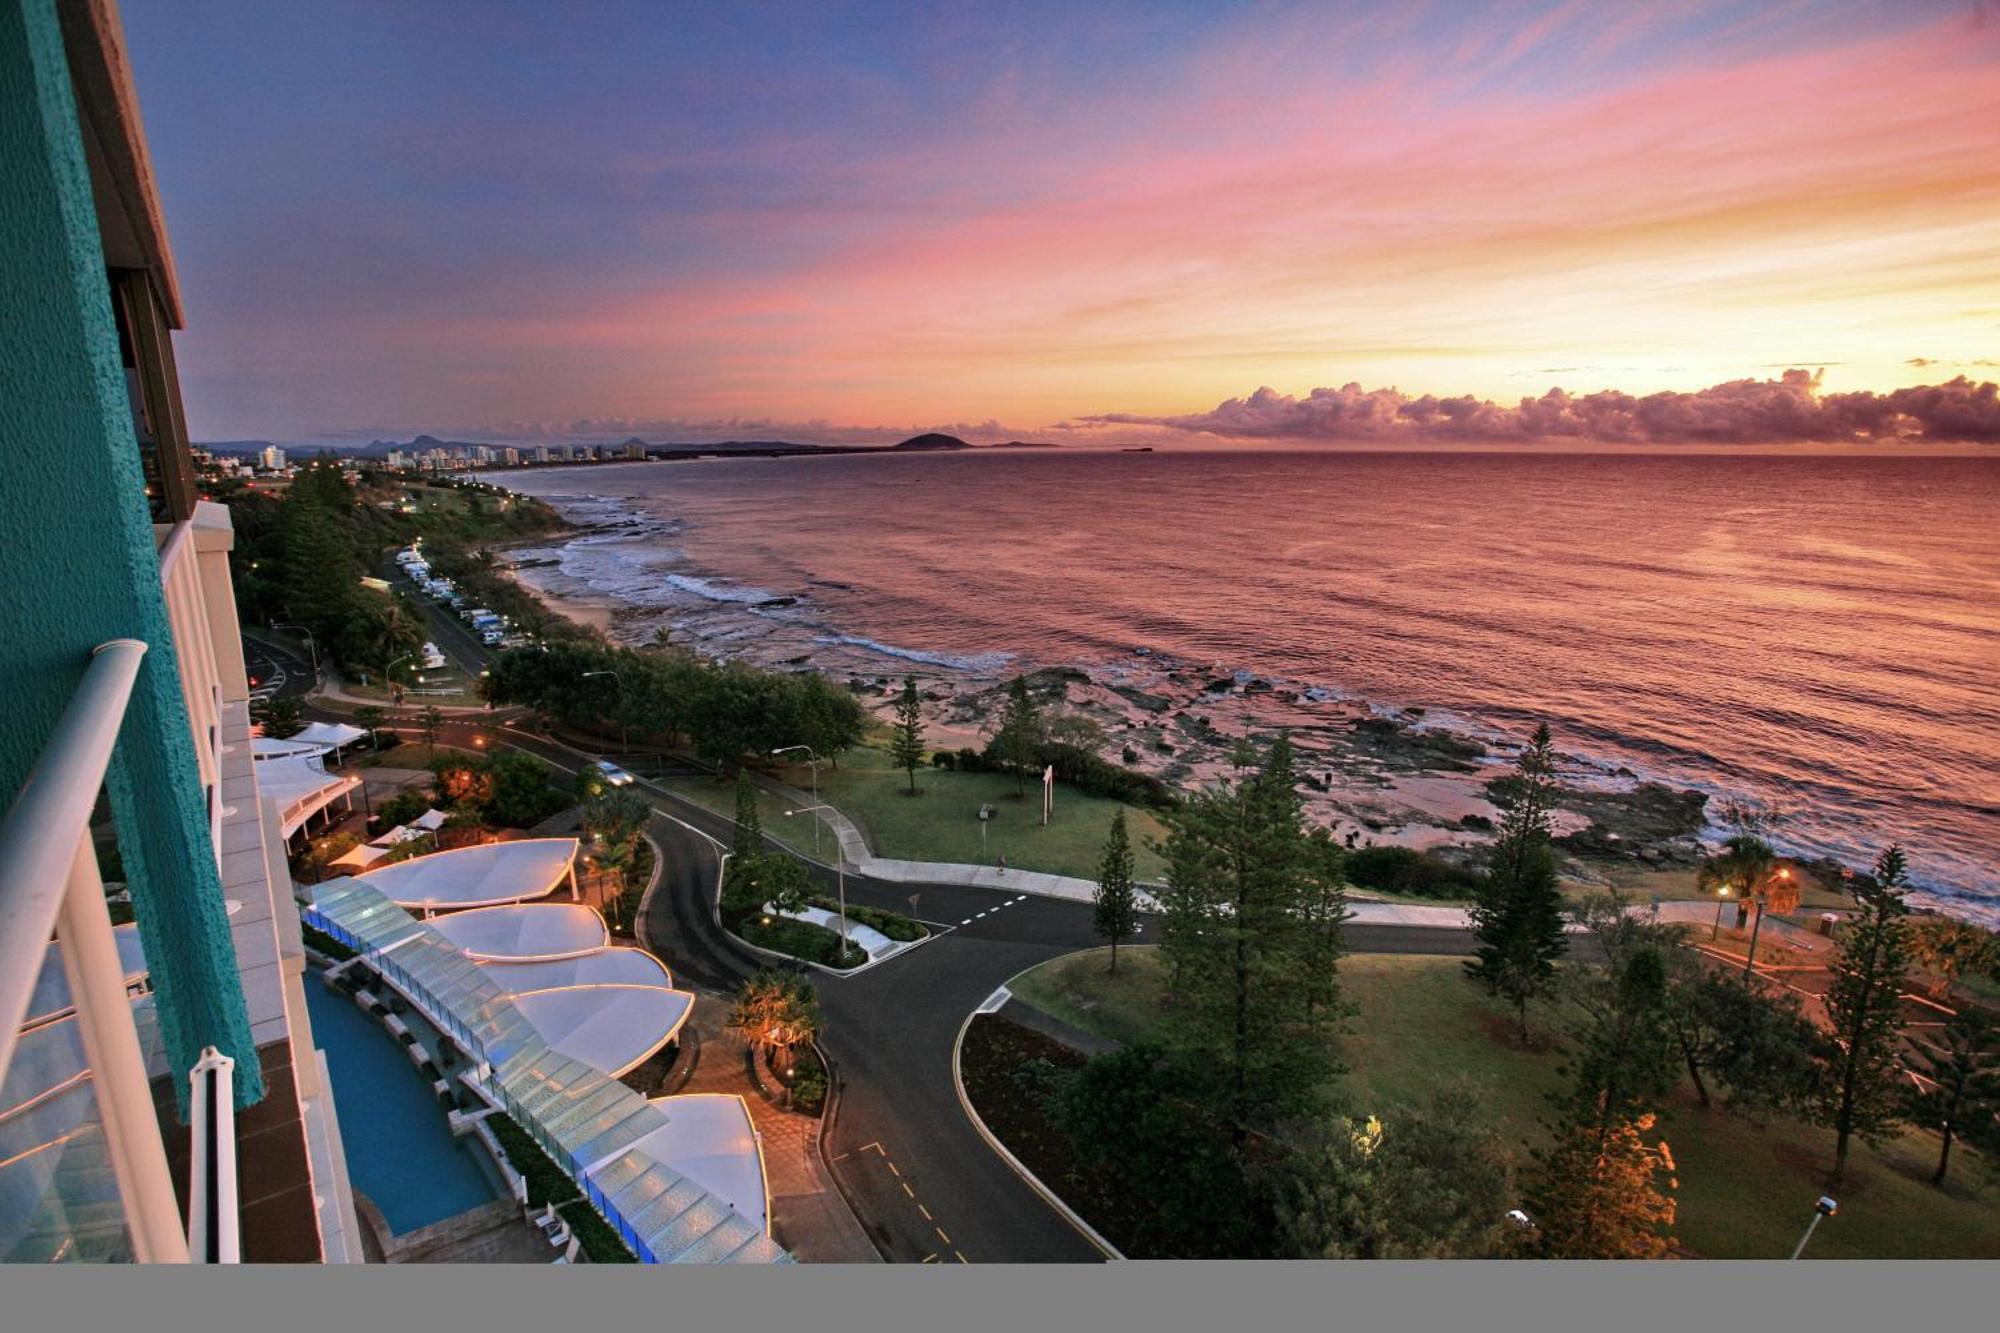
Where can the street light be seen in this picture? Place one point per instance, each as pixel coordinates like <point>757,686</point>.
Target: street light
<point>389,674</point>
<point>624,745</point>
<point>812,758</point>
<point>1721,897</point>
<point>311,645</point>
<point>1826,1207</point>
<point>840,876</point>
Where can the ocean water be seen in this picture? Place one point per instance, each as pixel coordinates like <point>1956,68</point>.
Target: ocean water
<point>1818,633</point>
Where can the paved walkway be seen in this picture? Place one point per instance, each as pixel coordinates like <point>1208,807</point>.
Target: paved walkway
<point>808,1215</point>
<point>1366,911</point>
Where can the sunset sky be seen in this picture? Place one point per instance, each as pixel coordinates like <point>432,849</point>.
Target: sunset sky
<point>830,221</point>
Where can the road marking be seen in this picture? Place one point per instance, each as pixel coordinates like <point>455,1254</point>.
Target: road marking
<point>877,1146</point>
<point>941,1236</point>
<point>893,1171</point>
<point>930,1258</point>
<point>1023,898</point>
<point>907,1190</point>
<point>961,1258</point>
<point>966,922</point>
<point>926,1212</point>
<point>843,1157</point>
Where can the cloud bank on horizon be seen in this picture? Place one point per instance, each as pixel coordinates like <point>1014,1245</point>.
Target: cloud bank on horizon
<point>1791,408</point>
<point>852,213</point>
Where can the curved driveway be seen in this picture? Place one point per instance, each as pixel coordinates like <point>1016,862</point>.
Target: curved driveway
<point>924,1183</point>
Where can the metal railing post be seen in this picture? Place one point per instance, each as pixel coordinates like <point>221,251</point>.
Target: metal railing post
<point>212,1234</point>
<point>118,1067</point>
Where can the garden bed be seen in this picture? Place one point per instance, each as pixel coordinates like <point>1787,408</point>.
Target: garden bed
<point>991,1058</point>
<point>795,939</point>
<point>895,925</point>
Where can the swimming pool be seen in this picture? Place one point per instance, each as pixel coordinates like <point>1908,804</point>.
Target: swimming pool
<point>399,1151</point>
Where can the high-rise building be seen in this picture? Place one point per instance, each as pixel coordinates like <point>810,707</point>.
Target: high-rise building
<point>123,1048</point>
<point>271,458</point>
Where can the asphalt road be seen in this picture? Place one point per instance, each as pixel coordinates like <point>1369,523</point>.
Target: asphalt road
<point>286,674</point>
<point>452,635</point>
<point>924,1183</point>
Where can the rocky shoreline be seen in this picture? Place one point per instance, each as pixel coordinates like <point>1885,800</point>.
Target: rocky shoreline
<point>1402,778</point>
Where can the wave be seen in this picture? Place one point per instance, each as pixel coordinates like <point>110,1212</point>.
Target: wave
<point>972,662</point>
<point>713,591</point>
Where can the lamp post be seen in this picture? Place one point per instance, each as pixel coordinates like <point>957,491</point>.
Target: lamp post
<point>1721,897</point>
<point>840,876</point>
<point>312,645</point>
<point>389,677</point>
<point>1750,957</point>
<point>624,745</point>
<point>812,760</point>
<point>1826,1207</point>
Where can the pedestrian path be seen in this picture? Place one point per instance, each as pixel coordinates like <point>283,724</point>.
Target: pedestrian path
<point>1365,911</point>
<point>808,1216</point>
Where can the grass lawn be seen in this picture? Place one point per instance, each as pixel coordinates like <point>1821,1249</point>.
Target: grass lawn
<point>1746,1191</point>
<point>1079,990</point>
<point>941,822</point>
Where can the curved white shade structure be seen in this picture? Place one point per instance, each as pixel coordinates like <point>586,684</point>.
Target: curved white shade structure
<point>612,1028</point>
<point>523,932</point>
<point>331,734</point>
<point>483,876</point>
<point>615,966</point>
<point>710,1139</point>
<point>300,788</point>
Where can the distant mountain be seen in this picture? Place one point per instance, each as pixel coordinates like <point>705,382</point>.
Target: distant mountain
<point>1025,444</point>
<point>931,441</point>
<point>418,445</point>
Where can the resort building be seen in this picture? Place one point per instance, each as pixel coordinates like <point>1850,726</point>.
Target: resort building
<point>162,1097</point>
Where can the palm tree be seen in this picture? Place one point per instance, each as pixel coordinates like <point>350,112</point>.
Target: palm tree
<point>775,1011</point>
<point>1748,867</point>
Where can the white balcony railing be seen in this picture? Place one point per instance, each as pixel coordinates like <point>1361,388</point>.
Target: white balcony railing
<point>49,885</point>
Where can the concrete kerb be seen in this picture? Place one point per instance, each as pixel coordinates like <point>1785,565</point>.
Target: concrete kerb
<point>646,898</point>
<point>715,914</point>
<point>832,1108</point>
<point>1033,1181</point>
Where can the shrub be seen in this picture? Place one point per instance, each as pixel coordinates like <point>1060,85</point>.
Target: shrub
<point>808,1089</point>
<point>403,807</point>
<point>598,1239</point>
<point>324,943</point>
<point>893,924</point>
<point>1404,870</point>
<point>945,759</point>
<point>547,1183</point>
<point>796,939</point>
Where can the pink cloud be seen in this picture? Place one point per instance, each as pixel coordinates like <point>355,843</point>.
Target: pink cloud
<point>1790,408</point>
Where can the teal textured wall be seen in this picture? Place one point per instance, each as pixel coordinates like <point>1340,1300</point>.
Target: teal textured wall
<point>77,551</point>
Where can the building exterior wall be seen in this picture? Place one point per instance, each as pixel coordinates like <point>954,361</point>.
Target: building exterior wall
<point>79,548</point>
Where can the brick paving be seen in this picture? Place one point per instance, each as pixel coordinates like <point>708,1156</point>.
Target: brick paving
<point>808,1215</point>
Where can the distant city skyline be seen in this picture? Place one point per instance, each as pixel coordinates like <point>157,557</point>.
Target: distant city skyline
<point>847,224</point>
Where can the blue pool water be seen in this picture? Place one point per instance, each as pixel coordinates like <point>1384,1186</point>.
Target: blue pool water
<point>399,1152</point>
